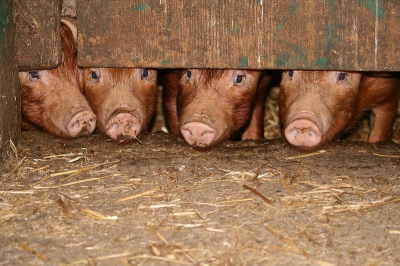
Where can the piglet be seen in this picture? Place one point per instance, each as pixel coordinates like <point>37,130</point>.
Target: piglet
<point>51,100</point>
<point>123,99</point>
<point>315,106</point>
<point>209,106</point>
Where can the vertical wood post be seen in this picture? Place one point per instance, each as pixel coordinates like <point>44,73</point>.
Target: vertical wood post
<point>10,120</point>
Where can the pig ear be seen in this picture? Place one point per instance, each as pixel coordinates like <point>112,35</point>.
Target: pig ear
<point>71,24</point>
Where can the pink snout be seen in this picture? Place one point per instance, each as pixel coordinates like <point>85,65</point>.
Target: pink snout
<point>198,133</point>
<point>303,132</point>
<point>123,124</point>
<point>83,123</point>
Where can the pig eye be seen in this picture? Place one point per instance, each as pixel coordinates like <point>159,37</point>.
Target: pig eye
<point>342,76</point>
<point>145,73</point>
<point>95,75</point>
<point>239,79</point>
<point>34,75</point>
<point>290,73</point>
<point>189,74</point>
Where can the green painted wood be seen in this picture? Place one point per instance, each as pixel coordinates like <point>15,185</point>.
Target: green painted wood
<point>10,120</point>
<point>38,37</point>
<point>328,34</point>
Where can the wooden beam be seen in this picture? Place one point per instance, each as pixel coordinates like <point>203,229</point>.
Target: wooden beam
<point>38,37</point>
<point>262,34</point>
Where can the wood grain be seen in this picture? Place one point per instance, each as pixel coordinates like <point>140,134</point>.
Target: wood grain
<point>262,34</point>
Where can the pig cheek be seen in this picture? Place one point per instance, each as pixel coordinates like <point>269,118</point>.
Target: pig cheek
<point>145,104</point>
<point>338,105</point>
<point>186,95</point>
<point>282,106</point>
<point>95,98</point>
<point>31,106</point>
<point>57,113</point>
<point>151,107</point>
<point>235,109</point>
<point>143,100</point>
<point>51,114</point>
<point>184,99</point>
<point>33,98</point>
<point>235,112</point>
<point>241,112</point>
<point>341,117</point>
<point>287,95</point>
<point>148,98</point>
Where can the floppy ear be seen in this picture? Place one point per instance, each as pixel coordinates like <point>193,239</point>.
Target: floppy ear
<point>71,24</point>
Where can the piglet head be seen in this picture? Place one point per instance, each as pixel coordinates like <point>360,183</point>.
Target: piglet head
<point>123,99</point>
<point>214,104</point>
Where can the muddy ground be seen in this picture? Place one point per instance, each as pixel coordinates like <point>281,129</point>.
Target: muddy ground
<point>92,202</point>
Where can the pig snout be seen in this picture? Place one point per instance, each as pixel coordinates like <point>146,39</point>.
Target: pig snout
<point>303,131</point>
<point>82,123</point>
<point>122,123</point>
<point>198,133</point>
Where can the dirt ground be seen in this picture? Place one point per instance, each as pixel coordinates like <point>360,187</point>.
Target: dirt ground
<point>89,201</point>
<point>93,202</point>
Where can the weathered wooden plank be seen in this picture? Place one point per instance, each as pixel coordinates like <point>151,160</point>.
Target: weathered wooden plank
<point>335,34</point>
<point>68,8</point>
<point>10,121</point>
<point>38,33</point>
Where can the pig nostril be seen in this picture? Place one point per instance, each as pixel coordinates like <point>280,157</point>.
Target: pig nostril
<point>187,131</point>
<point>129,127</point>
<point>114,126</point>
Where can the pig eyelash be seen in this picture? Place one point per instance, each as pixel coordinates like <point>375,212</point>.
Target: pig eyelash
<point>95,74</point>
<point>34,75</point>
<point>342,76</point>
<point>186,76</point>
<point>238,79</point>
<point>145,73</point>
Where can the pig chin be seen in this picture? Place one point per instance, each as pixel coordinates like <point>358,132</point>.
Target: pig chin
<point>305,149</point>
<point>218,140</point>
<point>55,128</point>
